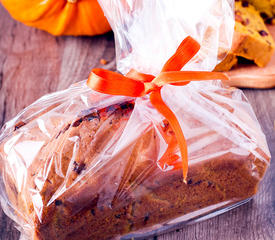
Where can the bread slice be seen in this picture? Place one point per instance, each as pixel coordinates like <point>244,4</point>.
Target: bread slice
<point>265,7</point>
<point>251,40</point>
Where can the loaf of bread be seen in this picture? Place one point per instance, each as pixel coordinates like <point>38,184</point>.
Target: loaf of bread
<point>68,180</point>
<point>251,40</point>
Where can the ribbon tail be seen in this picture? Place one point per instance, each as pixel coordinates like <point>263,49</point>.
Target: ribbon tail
<point>163,109</point>
<point>169,157</point>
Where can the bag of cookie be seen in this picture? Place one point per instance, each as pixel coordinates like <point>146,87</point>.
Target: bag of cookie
<point>132,156</point>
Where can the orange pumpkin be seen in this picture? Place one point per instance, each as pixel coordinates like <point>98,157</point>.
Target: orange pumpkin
<point>60,17</point>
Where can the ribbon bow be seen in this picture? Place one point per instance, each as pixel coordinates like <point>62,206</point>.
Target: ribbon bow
<point>136,84</point>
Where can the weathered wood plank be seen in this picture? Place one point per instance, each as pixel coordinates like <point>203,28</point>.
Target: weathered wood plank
<point>33,63</point>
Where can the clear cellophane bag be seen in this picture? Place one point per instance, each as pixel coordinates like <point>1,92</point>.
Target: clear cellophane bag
<point>78,164</point>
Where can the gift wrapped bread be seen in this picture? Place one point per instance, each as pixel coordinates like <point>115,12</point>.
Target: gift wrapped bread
<point>91,166</point>
<point>79,164</point>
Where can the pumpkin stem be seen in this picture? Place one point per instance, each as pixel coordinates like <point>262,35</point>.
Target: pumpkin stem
<point>72,1</point>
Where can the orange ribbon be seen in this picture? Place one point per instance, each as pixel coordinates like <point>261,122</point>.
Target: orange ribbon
<point>136,84</point>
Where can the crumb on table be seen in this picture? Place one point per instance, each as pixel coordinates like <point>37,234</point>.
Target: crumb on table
<point>103,61</point>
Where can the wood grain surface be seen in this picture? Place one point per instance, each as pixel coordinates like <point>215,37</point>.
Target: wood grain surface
<point>33,63</point>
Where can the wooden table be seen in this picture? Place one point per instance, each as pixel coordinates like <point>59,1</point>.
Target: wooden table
<point>33,63</point>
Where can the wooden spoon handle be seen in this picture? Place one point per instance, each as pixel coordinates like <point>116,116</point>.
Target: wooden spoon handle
<point>249,81</point>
